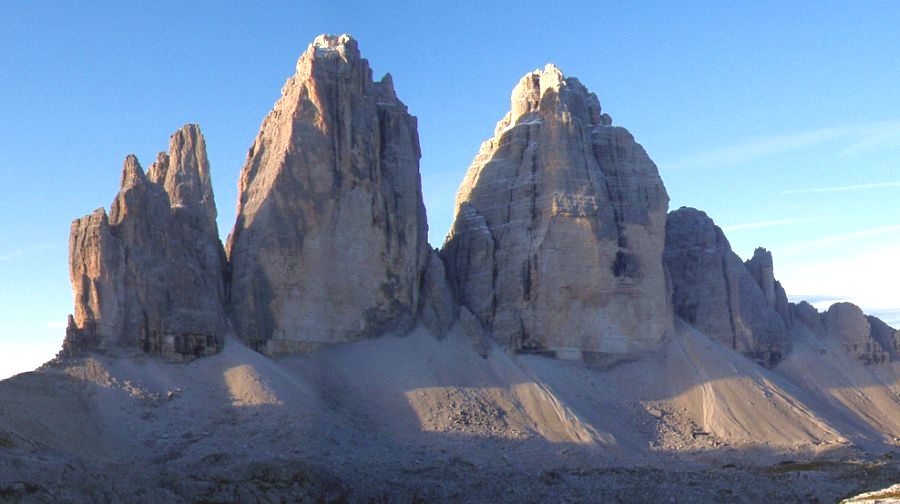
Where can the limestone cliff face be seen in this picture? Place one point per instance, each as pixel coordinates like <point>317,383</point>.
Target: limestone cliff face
<point>738,304</point>
<point>330,242</point>
<point>151,274</point>
<point>559,228</point>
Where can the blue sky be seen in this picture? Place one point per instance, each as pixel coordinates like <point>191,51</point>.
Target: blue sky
<point>779,119</point>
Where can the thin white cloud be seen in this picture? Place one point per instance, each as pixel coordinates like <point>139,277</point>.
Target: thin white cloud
<point>57,324</point>
<point>15,254</point>
<point>865,278</point>
<point>12,255</point>
<point>838,238</point>
<point>772,223</point>
<point>875,136</point>
<point>858,187</point>
<point>860,138</point>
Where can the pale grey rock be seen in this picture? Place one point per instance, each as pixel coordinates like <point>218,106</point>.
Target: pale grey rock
<point>439,309</point>
<point>330,242</point>
<point>807,315</point>
<point>866,337</point>
<point>151,274</point>
<point>714,291</point>
<point>559,228</point>
<point>470,255</point>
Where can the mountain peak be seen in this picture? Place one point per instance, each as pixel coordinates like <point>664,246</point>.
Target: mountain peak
<point>326,46</point>
<point>132,173</point>
<point>549,91</point>
<point>558,211</point>
<point>331,230</point>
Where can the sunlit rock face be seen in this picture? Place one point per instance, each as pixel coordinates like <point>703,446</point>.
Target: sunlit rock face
<point>151,274</point>
<point>738,304</point>
<point>559,228</point>
<point>330,242</point>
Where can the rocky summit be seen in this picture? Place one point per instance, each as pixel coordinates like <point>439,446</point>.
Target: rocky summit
<point>559,229</point>
<point>151,274</point>
<point>330,242</point>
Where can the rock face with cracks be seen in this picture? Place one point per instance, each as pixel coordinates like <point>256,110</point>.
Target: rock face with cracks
<point>330,242</point>
<point>559,228</point>
<point>738,304</point>
<point>151,274</point>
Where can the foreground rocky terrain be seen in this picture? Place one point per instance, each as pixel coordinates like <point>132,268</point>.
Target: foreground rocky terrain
<point>571,341</point>
<point>401,418</point>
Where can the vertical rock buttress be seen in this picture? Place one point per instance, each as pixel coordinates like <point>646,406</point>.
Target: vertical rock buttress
<point>330,242</point>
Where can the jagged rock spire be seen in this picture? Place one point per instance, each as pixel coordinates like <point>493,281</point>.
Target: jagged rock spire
<point>151,274</point>
<point>330,239</point>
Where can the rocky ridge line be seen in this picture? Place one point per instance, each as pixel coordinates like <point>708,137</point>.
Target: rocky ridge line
<point>745,308</point>
<point>560,244</point>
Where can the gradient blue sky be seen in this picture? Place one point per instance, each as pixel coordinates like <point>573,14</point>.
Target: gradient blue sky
<point>779,119</point>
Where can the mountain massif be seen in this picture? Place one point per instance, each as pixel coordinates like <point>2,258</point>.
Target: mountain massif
<point>570,328</point>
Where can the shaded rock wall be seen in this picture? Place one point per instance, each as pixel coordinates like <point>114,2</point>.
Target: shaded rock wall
<point>735,303</point>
